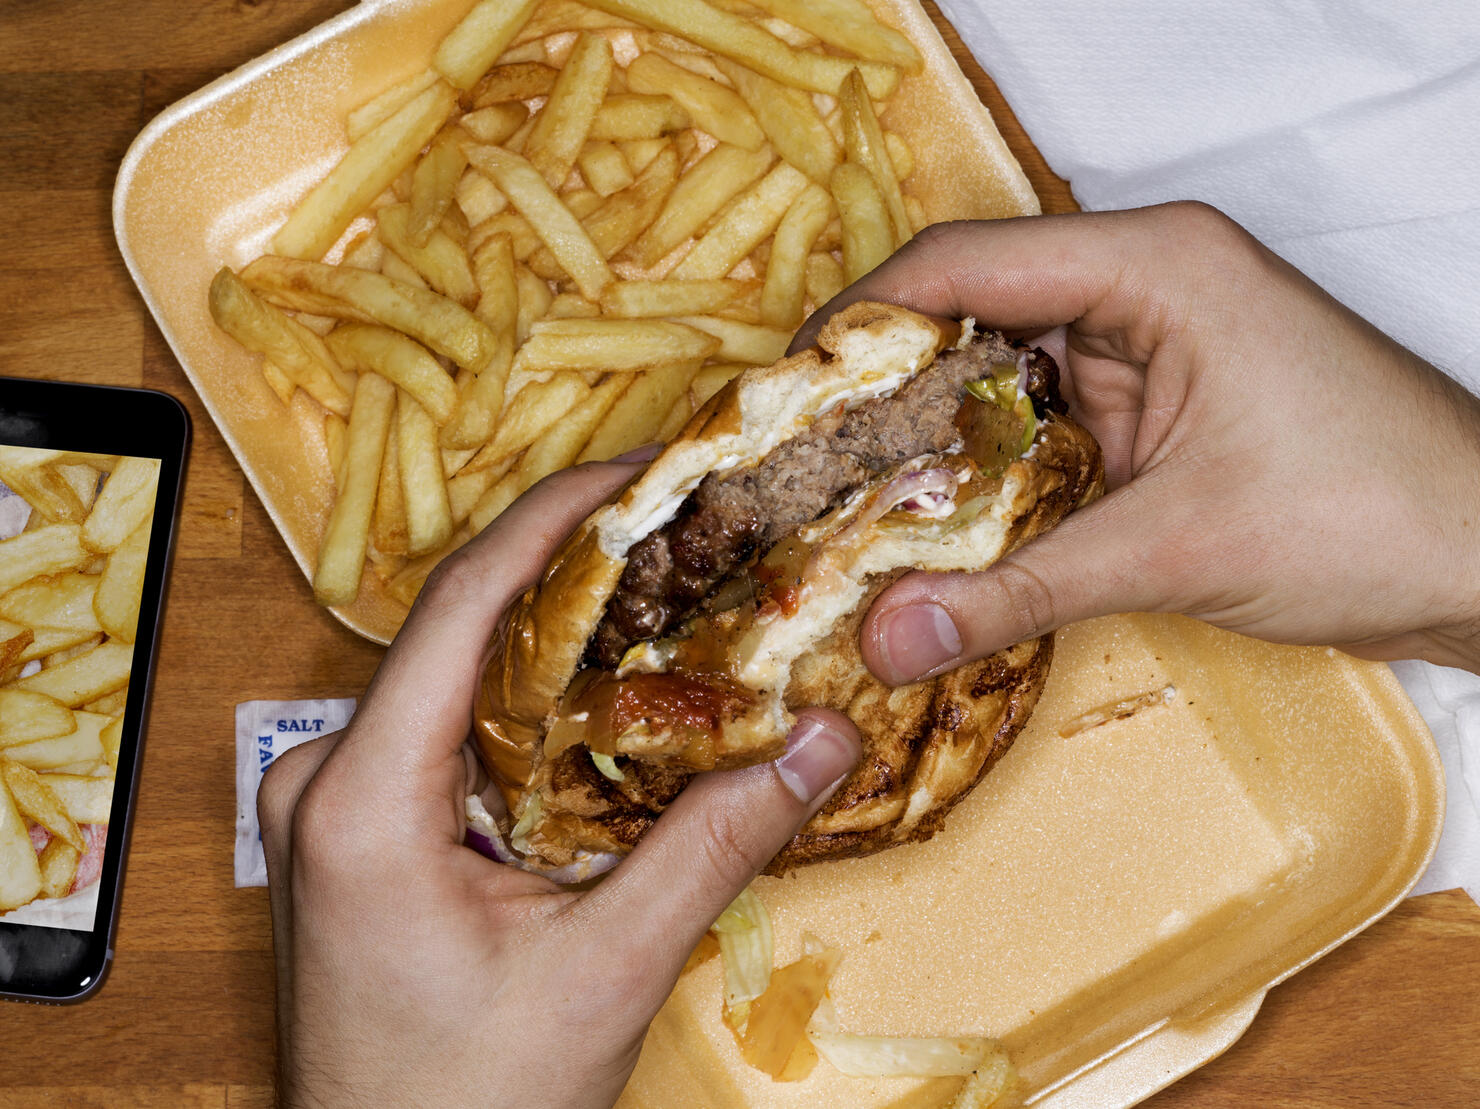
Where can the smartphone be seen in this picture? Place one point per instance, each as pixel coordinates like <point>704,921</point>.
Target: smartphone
<point>89,490</point>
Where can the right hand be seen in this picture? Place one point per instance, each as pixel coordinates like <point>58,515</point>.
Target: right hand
<point>1276,465</point>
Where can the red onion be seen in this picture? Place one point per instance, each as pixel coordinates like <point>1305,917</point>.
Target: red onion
<point>935,487</point>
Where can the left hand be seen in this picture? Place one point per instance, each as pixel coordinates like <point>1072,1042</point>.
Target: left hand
<point>413,971</point>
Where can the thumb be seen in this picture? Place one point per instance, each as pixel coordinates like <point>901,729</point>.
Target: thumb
<point>1103,558</point>
<point>716,837</point>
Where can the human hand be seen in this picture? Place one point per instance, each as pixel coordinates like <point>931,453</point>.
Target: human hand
<point>412,970</point>
<point>1276,465</point>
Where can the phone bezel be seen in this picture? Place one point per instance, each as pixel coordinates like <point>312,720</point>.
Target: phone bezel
<point>40,963</point>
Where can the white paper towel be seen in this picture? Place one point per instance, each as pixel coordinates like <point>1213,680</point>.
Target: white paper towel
<point>1345,134</point>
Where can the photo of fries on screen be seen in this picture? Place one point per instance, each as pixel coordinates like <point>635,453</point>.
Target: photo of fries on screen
<point>561,237</point>
<point>74,541</point>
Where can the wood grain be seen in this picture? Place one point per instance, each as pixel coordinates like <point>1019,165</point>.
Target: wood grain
<point>185,1018</point>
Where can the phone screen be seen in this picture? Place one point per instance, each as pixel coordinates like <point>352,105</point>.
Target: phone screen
<point>85,529</point>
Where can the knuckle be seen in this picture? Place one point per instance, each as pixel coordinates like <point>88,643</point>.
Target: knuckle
<point>321,827</point>
<point>453,583</point>
<point>1027,598</point>
<point>724,847</point>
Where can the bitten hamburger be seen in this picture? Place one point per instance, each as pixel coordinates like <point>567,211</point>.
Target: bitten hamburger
<point>679,626</point>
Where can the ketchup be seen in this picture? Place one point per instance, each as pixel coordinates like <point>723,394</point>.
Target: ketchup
<point>692,706</point>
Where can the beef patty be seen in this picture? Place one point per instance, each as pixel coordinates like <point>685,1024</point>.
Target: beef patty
<point>727,521</point>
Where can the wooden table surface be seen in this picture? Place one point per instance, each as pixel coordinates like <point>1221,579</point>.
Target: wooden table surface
<point>185,1019</point>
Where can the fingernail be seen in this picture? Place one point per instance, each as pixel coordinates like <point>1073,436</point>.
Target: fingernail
<point>915,639</point>
<point>645,453</point>
<point>817,758</point>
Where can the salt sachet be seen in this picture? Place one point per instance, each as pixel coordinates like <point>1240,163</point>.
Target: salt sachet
<point>264,730</point>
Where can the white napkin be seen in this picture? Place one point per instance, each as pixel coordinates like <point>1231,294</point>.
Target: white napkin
<point>1345,135</point>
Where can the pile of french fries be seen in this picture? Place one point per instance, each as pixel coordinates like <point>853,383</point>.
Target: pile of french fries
<point>70,587</point>
<point>558,241</point>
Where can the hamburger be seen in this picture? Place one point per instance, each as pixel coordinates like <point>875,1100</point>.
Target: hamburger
<point>678,628</point>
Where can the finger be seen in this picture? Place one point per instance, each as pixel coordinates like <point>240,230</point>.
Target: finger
<point>713,840</point>
<point>1037,272</point>
<point>277,797</point>
<point>1107,557</point>
<point>426,684</point>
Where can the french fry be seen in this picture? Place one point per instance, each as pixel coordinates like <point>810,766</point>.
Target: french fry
<point>342,550</point>
<point>824,278</point>
<point>50,549</point>
<point>58,862</point>
<point>627,117</point>
<point>424,490</point>
<point>279,382</point>
<point>863,139</point>
<point>441,261</point>
<point>26,717</point>
<point>56,658</point>
<point>733,36</point>
<point>742,226</point>
<point>31,473</point>
<point>497,123</point>
<point>612,345</point>
<point>480,397</point>
<point>406,583</point>
<point>674,422</point>
<point>637,299</point>
<point>388,520</point>
<point>467,51</point>
<point>534,301</point>
<point>789,119</point>
<point>121,584</point>
<point>434,184</point>
<point>85,800</point>
<point>55,601</point>
<point>604,168</point>
<point>20,873</point>
<point>384,105</point>
<point>533,410</point>
<point>84,743</point>
<point>621,217</point>
<point>291,347</point>
<point>561,127</point>
<point>109,704</point>
<point>468,487</point>
<point>515,81</point>
<point>741,342</point>
<point>713,107</point>
<point>867,233</point>
<point>38,803</point>
<point>528,191</point>
<point>85,677</point>
<point>710,184</point>
<point>372,162</point>
<point>400,360</point>
<point>46,642</point>
<point>83,480</point>
<point>567,306</point>
<point>430,318</point>
<point>478,198</point>
<point>711,379</point>
<point>126,500</point>
<point>784,295</point>
<point>636,416</point>
<point>849,26</point>
<point>110,735</point>
<point>14,642</point>
<point>554,451</point>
